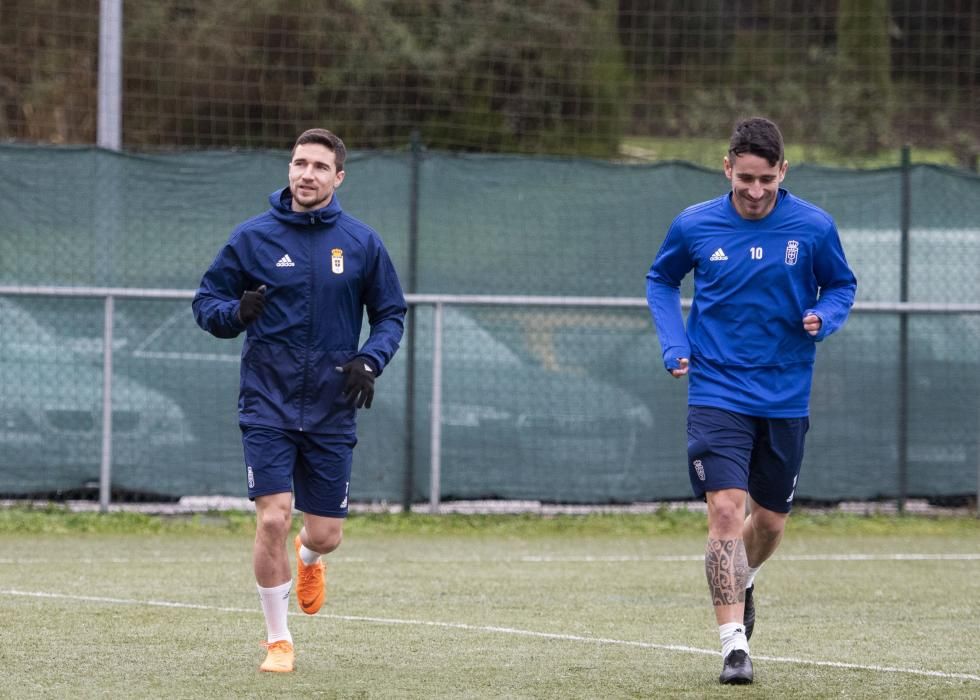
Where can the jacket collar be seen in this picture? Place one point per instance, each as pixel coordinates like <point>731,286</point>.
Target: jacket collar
<point>282,203</point>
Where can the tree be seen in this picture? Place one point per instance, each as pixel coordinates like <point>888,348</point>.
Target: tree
<point>862,95</point>
<point>537,76</point>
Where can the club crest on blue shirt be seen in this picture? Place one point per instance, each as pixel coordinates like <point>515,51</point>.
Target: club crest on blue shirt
<point>337,261</point>
<point>792,252</point>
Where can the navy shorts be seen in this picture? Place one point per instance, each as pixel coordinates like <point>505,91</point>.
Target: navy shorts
<point>316,468</point>
<point>727,450</point>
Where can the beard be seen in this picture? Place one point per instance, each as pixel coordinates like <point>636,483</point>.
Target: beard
<point>310,200</point>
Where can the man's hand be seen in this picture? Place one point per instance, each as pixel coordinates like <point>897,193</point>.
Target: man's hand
<point>682,370</point>
<point>251,305</point>
<point>812,323</point>
<point>360,381</point>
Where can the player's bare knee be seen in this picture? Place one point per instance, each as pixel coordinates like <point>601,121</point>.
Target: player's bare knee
<point>725,519</point>
<point>726,509</point>
<point>769,524</point>
<point>274,523</point>
<point>726,525</point>
<point>326,541</point>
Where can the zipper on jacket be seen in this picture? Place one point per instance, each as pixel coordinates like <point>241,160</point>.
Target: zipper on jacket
<point>309,329</point>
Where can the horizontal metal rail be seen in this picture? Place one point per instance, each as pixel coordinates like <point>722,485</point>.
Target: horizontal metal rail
<point>437,301</point>
<point>882,307</point>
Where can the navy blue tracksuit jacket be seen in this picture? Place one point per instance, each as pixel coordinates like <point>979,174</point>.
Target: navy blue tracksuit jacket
<point>321,269</point>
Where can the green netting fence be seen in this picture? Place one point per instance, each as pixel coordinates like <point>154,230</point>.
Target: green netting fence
<point>557,403</point>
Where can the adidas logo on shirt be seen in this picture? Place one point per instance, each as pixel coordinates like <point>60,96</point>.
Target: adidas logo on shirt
<point>285,261</point>
<point>715,257</point>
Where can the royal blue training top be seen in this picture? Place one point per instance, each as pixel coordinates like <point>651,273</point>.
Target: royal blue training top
<point>754,281</point>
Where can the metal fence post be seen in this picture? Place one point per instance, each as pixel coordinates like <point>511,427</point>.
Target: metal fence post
<point>903,334</point>
<point>105,469</point>
<point>109,127</point>
<point>412,280</point>
<point>435,434</point>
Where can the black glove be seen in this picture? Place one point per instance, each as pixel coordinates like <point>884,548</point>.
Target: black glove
<point>252,305</point>
<point>360,381</point>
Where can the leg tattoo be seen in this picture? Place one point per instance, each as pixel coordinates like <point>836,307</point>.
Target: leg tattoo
<point>726,567</point>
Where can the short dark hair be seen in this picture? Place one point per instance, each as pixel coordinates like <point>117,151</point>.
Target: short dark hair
<point>757,136</point>
<point>325,138</point>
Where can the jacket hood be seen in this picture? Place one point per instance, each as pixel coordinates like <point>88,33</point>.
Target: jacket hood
<point>282,208</point>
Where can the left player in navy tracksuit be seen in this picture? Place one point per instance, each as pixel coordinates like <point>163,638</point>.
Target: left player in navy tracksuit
<point>297,280</point>
<point>770,280</point>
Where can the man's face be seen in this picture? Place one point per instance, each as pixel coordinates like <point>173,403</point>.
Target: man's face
<point>313,176</point>
<point>755,184</point>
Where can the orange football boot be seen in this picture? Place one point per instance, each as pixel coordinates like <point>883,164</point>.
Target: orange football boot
<point>279,658</point>
<point>311,583</point>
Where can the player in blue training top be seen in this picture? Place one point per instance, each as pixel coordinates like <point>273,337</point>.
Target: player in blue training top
<point>770,281</point>
<point>297,280</point>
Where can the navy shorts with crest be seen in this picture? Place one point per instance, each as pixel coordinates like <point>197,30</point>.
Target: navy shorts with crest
<point>316,468</point>
<point>728,450</point>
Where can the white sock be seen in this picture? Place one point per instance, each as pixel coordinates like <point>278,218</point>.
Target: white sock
<point>732,637</point>
<point>750,579</point>
<point>308,555</point>
<point>275,606</point>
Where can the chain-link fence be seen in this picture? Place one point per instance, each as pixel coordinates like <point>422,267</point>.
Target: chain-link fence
<point>538,400</point>
<point>652,79</point>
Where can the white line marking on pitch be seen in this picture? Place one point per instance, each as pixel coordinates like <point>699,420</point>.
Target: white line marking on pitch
<point>524,559</point>
<point>124,560</point>
<point>787,557</point>
<point>496,630</point>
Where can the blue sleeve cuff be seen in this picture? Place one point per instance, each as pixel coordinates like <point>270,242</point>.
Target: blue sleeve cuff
<point>673,354</point>
<point>824,331</point>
